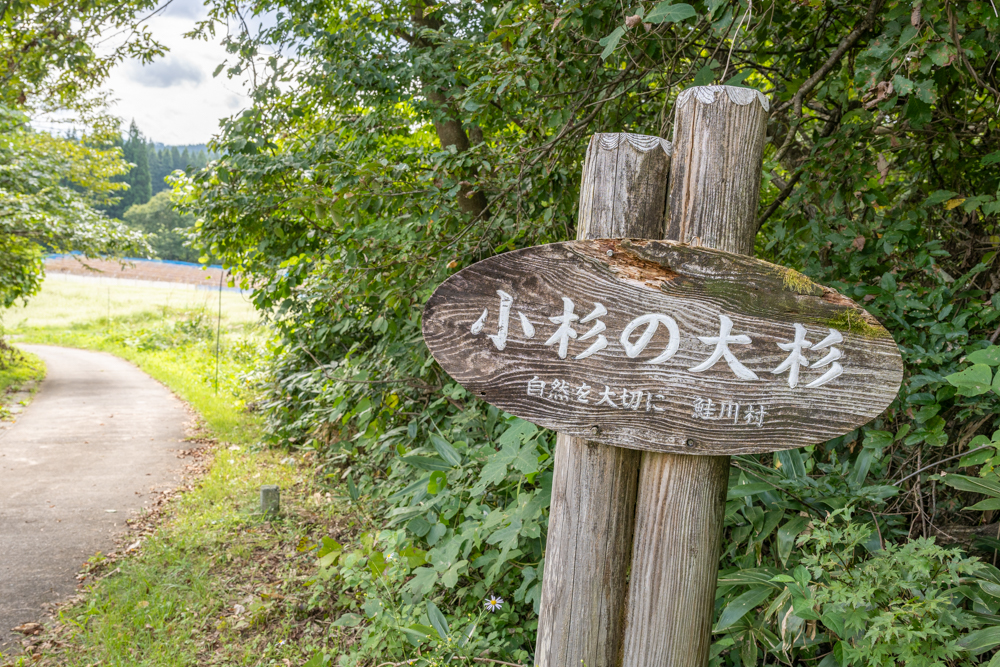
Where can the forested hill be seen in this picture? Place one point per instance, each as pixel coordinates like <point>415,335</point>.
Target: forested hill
<point>153,163</point>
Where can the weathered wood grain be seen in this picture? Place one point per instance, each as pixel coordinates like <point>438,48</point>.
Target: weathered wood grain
<point>681,503</point>
<point>680,510</point>
<point>719,135</point>
<point>589,542</point>
<point>668,405</point>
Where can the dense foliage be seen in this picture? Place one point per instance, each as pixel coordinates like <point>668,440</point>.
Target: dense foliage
<point>166,229</point>
<point>393,143</point>
<point>49,187</point>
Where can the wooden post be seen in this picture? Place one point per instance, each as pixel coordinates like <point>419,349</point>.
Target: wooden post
<point>589,544</point>
<point>719,136</point>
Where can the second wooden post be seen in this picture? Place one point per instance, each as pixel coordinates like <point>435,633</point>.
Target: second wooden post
<point>719,136</point>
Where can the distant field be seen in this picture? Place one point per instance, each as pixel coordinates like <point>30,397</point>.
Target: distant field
<point>65,302</point>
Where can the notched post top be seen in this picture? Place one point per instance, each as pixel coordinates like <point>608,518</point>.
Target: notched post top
<point>640,142</point>
<point>737,95</point>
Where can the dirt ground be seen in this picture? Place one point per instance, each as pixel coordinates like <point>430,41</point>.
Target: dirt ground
<point>139,269</point>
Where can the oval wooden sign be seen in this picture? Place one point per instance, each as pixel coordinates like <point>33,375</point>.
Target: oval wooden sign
<point>662,346</point>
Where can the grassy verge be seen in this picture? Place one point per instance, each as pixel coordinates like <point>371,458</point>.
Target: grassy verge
<point>206,579</point>
<point>20,370</point>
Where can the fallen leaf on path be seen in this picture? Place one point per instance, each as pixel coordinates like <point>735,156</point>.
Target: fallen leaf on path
<point>29,628</point>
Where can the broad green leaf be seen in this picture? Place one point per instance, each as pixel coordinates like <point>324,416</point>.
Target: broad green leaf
<point>939,196</point>
<point>751,577</point>
<point>348,621</point>
<point>611,41</point>
<point>787,534</point>
<point>979,441</point>
<point>979,641</point>
<point>791,463</point>
<point>438,620</point>
<point>425,462</point>
<point>973,381</point>
<point>990,588</point>
<point>989,356</point>
<point>423,580</point>
<point>377,563</point>
<point>704,76</point>
<point>419,526</point>
<point>665,12</point>
<point>744,490</point>
<point>973,484</point>
<point>437,482</point>
<point>319,658</point>
<point>739,607</point>
<point>977,458</point>
<point>878,439</point>
<point>418,633</point>
<point>526,460</point>
<point>516,432</point>
<point>329,552</point>
<point>445,449</point>
<point>983,505</point>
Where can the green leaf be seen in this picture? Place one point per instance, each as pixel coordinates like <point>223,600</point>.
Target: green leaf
<point>972,484</point>
<point>878,439</point>
<point>791,463</point>
<point>348,621</point>
<point>665,12</point>
<point>423,580</point>
<point>425,462</point>
<point>787,534</point>
<point>317,660</point>
<point>518,431</point>
<point>973,381</point>
<point>437,482</point>
<point>739,607</point>
<point>990,588</point>
<point>938,197</point>
<point>978,641</point>
<point>989,356</point>
<point>751,577</point>
<point>418,633</point>
<point>705,76</point>
<point>739,78</point>
<point>445,449</point>
<point>983,505</point>
<point>526,460</point>
<point>352,490</point>
<point>419,526</point>
<point>744,490</point>
<point>611,41</point>
<point>977,459</point>
<point>438,620</point>
<point>329,551</point>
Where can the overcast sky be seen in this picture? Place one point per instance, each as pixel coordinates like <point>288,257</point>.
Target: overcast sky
<point>176,100</point>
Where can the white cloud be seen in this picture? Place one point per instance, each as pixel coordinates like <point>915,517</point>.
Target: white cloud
<point>176,100</point>
<point>166,73</point>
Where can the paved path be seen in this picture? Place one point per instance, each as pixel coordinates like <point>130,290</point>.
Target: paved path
<point>100,435</point>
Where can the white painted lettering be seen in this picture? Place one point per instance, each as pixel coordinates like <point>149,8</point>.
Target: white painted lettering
<point>722,343</point>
